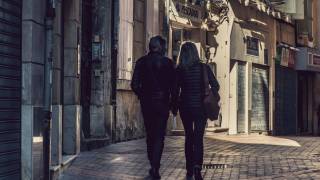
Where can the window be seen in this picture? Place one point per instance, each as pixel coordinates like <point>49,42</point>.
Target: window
<point>252,46</point>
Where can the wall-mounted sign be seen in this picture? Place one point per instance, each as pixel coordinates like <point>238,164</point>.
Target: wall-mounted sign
<point>96,50</point>
<point>188,11</point>
<point>252,46</point>
<point>316,60</point>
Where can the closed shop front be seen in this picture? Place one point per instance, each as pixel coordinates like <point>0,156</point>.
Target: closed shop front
<point>260,98</point>
<point>241,92</point>
<point>305,99</point>
<point>308,66</point>
<point>286,101</point>
<point>10,88</point>
<point>250,81</point>
<point>285,92</point>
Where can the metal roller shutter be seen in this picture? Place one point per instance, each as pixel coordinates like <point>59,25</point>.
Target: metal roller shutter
<point>10,88</point>
<point>260,98</point>
<point>241,96</point>
<point>286,101</point>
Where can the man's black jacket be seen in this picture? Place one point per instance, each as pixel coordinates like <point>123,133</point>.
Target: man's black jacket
<point>154,78</point>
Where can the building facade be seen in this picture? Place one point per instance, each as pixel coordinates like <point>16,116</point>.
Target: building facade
<point>66,68</point>
<point>251,84</point>
<point>49,87</point>
<point>308,69</point>
<point>199,22</point>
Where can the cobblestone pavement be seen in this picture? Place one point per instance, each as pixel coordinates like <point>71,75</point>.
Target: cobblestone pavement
<point>226,157</point>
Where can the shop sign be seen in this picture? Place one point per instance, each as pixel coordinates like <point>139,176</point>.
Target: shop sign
<point>188,11</point>
<point>316,60</point>
<point>252,46</point>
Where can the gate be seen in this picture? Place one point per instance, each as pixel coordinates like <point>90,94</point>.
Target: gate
<point>10,88</point>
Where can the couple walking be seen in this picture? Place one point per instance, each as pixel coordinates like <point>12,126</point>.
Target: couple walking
<point>161,88</point>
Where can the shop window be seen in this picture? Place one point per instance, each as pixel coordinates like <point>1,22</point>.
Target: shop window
<point>266,56</point>
<point>310,59</point>
<point>176,43</point>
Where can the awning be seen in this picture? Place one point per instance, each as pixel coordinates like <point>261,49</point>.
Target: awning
<point>288,46</point>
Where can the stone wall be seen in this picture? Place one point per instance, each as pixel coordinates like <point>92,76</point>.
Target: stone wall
<point>129,123</point>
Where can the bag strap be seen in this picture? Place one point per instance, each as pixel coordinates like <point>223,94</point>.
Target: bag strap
<point>205,79</point>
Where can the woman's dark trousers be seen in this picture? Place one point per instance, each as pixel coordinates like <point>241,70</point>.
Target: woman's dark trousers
<point>194,123</point>
<point>155,117</point>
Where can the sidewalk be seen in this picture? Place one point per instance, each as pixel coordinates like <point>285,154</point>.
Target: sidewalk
<point>226,157</point>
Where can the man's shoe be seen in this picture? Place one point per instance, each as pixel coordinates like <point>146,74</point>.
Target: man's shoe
<point>154,173</point>
<point>197,174</point>
<point>189,177</point>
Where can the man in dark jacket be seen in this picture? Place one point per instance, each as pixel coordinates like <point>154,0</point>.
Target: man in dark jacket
<point>153,83</point>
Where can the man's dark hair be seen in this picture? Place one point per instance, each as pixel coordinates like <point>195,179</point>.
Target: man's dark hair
<point>163,43</point>
<point>157,44</point>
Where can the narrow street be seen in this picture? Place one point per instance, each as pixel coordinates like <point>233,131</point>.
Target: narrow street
<point>226,157</point>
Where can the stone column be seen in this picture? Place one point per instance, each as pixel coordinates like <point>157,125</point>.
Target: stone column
<point>71,79</point>
<point>33,53</point>
<point>56,128</point>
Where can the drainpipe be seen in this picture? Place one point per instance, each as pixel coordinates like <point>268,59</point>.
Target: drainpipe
<point>50,13</point>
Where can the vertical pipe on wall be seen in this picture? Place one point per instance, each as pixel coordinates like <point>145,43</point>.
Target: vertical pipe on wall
<point>50,13</point>
<point>114,64</point>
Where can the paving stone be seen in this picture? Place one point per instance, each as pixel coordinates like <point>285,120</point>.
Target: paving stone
<point>275,158</point>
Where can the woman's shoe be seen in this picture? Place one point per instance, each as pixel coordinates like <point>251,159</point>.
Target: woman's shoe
<point>197,173</point>
<point>154,173</point>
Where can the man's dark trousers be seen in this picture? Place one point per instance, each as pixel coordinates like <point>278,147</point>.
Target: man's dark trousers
<point>155,114</point>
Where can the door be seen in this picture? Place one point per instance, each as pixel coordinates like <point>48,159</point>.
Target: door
<point>10,88</point>
<point>260,98</point>
<point>286,101</point>
<point>305,98</point>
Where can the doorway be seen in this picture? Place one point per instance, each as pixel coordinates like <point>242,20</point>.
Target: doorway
<point>177,40</point>
<point>86,66</point>
<point>305,98</point>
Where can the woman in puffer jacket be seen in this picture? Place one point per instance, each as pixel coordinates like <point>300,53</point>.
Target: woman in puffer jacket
<point>189,101</point>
